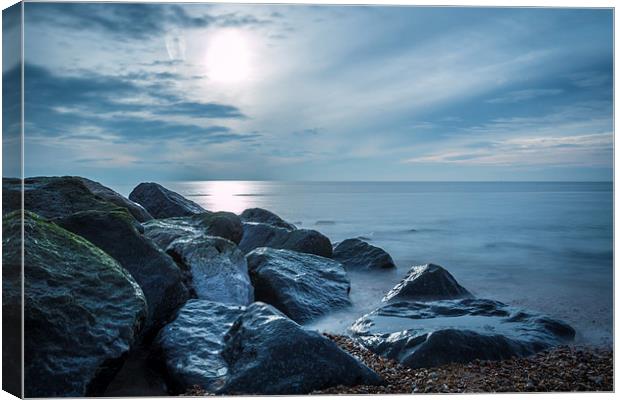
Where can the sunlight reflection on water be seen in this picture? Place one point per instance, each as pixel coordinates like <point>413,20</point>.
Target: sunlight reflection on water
<point>233,196</point>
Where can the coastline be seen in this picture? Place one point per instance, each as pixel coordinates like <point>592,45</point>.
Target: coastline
<point>571,368</point>
<point>561,369</point>
<point>433,330</point>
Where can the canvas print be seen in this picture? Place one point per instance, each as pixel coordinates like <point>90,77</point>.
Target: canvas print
<point>273,199</point>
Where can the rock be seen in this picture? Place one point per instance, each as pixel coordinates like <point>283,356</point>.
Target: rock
<point>222,224</point>
<point>233,349</point>
<point>257,235</point>
<point>309,241</point>
<point>110,195</point>
<point>163,203</point>
<point>82,310</point>
<point>357,254</point>
<point>427,282</point>
<point>190,346</point>
<point>421,335</point>
<point>12,306</point>
<point>218,269</point>
<point>265,217</point>
<point>268,353</point>
<point>155,271</point>
<point>302,286</point>
<point>57,197</point>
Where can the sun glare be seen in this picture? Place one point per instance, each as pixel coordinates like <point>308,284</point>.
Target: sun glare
<point>228,56</point>
<point>233,196</point>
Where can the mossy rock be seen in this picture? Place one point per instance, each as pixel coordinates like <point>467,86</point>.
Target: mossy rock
<point>118,234</point>
<point>163,203</point>
<point>221,224</point>
<point>82,310</point>
<point>57,197</point>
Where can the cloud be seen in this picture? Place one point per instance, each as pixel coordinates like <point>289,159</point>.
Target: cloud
<point>126,21</point>
<point>202,110</point>
<point>440,86</point>
<point>590,79</point>
<point>307,132</point>
<point>102,93</point>
<point>119,110</point>
<point>584,150</point>
<point>522,95</point>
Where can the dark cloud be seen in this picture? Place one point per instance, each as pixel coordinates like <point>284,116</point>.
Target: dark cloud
<point>236,19</point>
<point>66,106</point>
<point>92,160</point>
<point>103,93</point>
<point>308,132</point>
<point>131,21</point>
<point>136,21</point>
<point>204,110</point>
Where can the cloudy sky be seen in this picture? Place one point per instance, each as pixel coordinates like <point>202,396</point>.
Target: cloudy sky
<point>124,93</point>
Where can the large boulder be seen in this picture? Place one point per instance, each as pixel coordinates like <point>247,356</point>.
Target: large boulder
<point>55,197</point>
<point>190,346</point>
<point>422,335</point>
<point>302,286</point>
<point>115,232</point>
<point>82,310</point>
<point>267,353</point>
<point>266,217</point>
<point>356,254</point>
<point>427,282</point>
<point>163,203</point>
<point>110,195</point>
<point>218,269</point>
<point>223,224</point>
<point>256,350</point>
<point>256,234</point>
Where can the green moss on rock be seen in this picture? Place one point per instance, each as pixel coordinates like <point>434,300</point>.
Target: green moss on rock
<point>82,313</point>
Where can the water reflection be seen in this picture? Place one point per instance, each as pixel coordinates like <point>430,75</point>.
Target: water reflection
<point>233,196</point>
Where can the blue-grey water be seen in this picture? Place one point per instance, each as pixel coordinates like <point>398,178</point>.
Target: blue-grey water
<point>544,246</point>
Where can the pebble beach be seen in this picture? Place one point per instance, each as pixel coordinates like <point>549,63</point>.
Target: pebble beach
<point>560,369</point>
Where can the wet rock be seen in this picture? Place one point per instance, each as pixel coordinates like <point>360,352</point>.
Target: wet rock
<point>56,197</point>
<point>110,195</point>
<point>163,203</point>
<point>309,241</point>
<point>427,282</point>
<point>357,254</point>
<point>222,224</point>
<point>232,349</point>
<point>550,370</point>
<point>257,235</point>
<point>82,312</point>
<point>11,308</point>
<point>190,346</point>
<point>434,333</point>
<point>267,353</point>
<point>115,232</point>
<point>219,270</point>
<point>266,217</point>
<point>302,286</point>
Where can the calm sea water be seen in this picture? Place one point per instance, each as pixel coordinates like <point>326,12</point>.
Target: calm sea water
<point>543,246</point>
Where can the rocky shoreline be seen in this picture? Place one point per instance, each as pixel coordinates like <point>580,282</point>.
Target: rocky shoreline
<point>560,369</point>
<point>195,302</point>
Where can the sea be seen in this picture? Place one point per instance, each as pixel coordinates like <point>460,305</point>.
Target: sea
<point>543,246</point>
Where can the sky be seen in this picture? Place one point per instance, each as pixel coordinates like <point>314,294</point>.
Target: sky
<point>133,92</point>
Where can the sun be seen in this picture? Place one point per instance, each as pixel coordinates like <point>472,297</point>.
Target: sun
<point>228,57</point>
